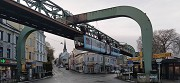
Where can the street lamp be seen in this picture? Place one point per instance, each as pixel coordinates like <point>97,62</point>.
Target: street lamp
<point>159,67</point>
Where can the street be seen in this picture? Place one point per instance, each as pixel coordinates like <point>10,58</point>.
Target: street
<point>61,75</point>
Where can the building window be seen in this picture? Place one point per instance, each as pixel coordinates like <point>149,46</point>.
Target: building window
<point>37,46</point>
<point>88,59</point>
<point>30,42</point>
<point>1,35</point>
<point>29,55</point>
<point>101,58</point>
<point>1,51</point>
<point>15,57</point>
<point>92,58</point>
<point>40,48</point>
<point>9,37</point>
<point>1,20</point>
<point>16,39</point>
<point>41,58</point>
<point>37,57</point>
<point>8,53</point>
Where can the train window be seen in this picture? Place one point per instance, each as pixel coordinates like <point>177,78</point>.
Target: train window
<point>114,50</point>
<point>88,41</point>
<point>78,42</point>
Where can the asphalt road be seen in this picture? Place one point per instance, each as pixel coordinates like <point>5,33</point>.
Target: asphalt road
<point>68,76</point>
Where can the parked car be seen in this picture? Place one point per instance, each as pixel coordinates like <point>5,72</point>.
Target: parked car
<point>115,71</point>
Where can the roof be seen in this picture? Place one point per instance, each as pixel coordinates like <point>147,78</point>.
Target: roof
<point>177,60</point>
<point>9,26</point>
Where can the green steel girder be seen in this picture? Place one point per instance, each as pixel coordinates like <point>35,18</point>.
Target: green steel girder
<point>47,7</point>
<point>124,11</point>
<point>20,48</point>
<point>131,49</point>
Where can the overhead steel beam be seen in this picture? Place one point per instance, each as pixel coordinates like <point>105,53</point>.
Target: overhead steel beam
<point>18,13</point>
<point>124,11</point>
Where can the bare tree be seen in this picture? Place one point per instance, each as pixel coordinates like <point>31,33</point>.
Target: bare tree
<point>176,46</point>
<point>163,41</point>
<point>50,57</point>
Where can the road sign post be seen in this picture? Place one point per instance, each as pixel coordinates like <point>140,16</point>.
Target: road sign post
<point>130,64</point>
<point>159,67</point>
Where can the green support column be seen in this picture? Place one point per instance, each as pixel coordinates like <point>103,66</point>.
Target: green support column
<point>20,48</point>
<point>124,11</point>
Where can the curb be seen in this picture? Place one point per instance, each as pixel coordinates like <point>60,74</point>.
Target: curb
<point>35,79</point>
<point>131,81</point>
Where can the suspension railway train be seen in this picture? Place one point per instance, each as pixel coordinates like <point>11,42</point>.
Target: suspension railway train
<point>90,44</point>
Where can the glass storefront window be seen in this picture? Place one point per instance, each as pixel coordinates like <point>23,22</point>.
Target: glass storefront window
<point>5,72</point>
<point>163,70</point>
<point>8,53</point>
<point>1,35</point>
<point>177,71</point>
<point>171,72</point>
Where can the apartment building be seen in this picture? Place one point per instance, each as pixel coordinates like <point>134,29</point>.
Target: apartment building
<point>8,40</point>
<point>88,62</point>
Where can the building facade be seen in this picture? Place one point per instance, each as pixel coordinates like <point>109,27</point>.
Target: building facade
<point>88,62</point>
<point>40,53</point>
<point>72,58</point>
<point>8,40</point>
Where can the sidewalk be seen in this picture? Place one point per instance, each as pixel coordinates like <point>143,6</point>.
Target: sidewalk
<point>8,81</point>
<point>35,79</point>
<point>170,81</point>
<point>134,80</point>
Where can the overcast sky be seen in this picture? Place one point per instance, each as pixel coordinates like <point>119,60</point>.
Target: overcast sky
<point>163,14</point>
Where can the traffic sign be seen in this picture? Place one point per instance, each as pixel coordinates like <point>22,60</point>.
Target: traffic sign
<point>162,55</point>
<point>130,63</point>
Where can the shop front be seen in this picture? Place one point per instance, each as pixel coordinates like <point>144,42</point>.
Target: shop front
<point>7,70</point>
<point>90,67</point>
<point>170,69</point>
<point>38,71</point>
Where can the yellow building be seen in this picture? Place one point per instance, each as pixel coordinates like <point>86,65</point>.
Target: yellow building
<point>30,48</point>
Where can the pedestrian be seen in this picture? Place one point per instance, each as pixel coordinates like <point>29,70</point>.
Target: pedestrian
<point>4,77</point>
